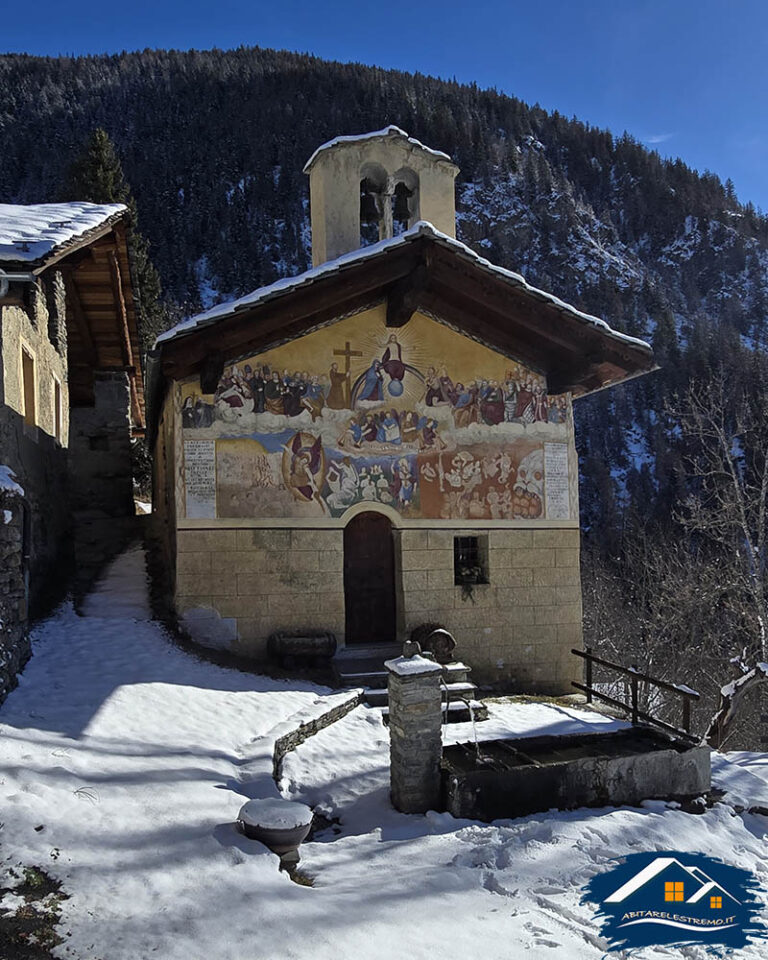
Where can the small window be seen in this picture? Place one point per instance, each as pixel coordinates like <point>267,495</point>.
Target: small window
<point>716,903</point>
<point>57,419</point>
<point>673,890</point>
<point>470,560</point>
<point>28,387</point>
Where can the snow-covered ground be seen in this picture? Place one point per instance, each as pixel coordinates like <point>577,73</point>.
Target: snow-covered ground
<point>134,758</point>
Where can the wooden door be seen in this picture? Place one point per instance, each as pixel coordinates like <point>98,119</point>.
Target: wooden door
<point>369,579</point>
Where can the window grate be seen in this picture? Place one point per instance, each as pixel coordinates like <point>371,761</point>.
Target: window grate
<point>470,564</point>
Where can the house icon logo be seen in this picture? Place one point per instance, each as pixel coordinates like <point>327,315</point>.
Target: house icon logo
<point>676,898</point>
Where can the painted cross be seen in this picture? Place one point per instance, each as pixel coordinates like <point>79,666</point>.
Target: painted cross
<point>347,353</point>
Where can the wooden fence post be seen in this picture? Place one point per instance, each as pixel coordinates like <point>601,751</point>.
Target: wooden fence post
<point>633,681</point>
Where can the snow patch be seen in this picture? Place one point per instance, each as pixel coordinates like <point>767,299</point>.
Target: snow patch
<point>29,233</point>
<point>275,814</point>
<point>8,481</point>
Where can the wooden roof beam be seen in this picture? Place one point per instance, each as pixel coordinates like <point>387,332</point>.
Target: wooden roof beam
<point>125,335</point>
<point>264,325</point>
<point>75,308</point>
<point>403,297</point>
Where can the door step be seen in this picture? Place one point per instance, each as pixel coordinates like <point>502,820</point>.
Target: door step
<point>369,671</point>
<point>379,696</point>
<point>458,712</point>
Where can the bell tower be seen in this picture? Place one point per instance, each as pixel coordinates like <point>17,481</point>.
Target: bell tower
<point>371,187</point>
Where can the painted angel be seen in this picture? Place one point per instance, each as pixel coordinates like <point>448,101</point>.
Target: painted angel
<point>305,464</point>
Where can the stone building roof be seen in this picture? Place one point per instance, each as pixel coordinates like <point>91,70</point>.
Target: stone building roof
<point>31,233</point>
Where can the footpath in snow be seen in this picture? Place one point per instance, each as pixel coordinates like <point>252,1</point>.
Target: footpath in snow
<point>134,757</point>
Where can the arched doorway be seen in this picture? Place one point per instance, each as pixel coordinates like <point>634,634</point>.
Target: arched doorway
<point>369,579</point>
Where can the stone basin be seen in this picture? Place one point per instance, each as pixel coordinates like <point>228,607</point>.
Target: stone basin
<point>279,824</point>
<point>514,778</point>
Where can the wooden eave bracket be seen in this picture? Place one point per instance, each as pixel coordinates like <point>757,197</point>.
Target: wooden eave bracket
<point>211,370</point>
<point>586,377</point>
<point>404,296</point>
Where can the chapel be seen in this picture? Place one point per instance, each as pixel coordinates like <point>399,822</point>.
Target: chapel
<point>383,441</point>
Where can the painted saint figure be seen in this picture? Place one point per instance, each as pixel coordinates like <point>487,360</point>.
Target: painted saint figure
<point>336,398</point>
<point>493,404</point>
<point>256,384</point>
<point>273,394</point>
<point>373,383</point>
<point>403,482</point>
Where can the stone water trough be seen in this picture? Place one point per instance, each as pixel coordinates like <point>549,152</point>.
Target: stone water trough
<point>513,778</point>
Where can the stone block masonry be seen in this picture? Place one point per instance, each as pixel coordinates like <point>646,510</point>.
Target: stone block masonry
<point>415,733</point>
<point>14,639</point>
<point>260,581</point>
<point>516,631</point>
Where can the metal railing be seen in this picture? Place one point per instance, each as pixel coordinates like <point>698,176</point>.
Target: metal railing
<point>636,677</point>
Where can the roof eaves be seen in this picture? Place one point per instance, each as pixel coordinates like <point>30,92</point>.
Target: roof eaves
<point>349,260</point>
<point>67,247</point>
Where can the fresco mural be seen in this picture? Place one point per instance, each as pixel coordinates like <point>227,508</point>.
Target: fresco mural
<point>422,419</point>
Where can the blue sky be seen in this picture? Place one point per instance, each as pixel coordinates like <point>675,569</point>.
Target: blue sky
<point>687,77</point>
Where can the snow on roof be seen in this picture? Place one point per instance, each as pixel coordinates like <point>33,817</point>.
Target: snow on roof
<point>8,481</point>
<point>29,233</point>
<point>420,229</point>
<point>390,131</point>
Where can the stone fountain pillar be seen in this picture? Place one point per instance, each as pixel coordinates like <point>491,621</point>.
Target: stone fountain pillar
<point>415,731</point>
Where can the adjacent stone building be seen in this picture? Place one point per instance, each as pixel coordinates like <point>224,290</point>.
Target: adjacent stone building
<point>385,440</point>
<point>71,400</point>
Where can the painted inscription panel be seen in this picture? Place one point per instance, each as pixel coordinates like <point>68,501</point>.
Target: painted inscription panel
<point>422,419</point>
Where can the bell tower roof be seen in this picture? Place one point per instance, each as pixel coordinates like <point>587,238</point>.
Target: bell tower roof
<point>390,132</point>
<point>374,186</point>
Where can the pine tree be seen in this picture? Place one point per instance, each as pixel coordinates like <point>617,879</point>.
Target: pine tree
<point>97,177</point>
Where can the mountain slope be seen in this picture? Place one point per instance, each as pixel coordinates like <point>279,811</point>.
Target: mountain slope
<point>213,145</point>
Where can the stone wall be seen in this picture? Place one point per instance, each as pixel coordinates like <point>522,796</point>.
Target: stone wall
<point>236,586</point>
<point>32,328</point>
<point>100,449</point>
<point>518,629</point>
<point>34,454</point>
<point>308,728</point>
<point>101,476</point>
<point>14,639</point>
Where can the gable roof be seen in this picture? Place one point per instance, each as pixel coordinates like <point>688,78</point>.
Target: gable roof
<point>87,243</point>
<point>426,270</point>
<point>30,234</point>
